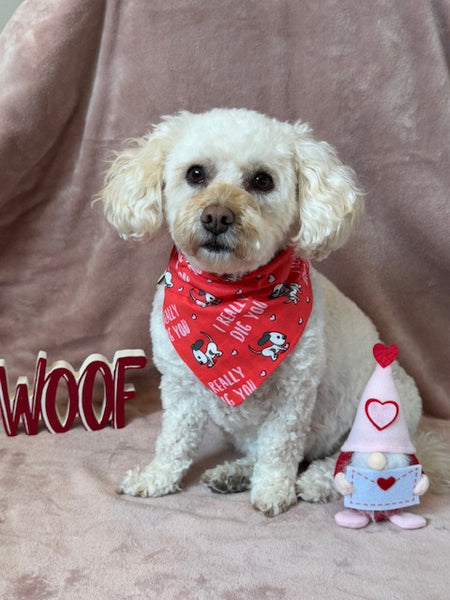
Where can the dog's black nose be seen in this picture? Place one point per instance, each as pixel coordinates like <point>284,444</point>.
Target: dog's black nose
<point>217,219</point>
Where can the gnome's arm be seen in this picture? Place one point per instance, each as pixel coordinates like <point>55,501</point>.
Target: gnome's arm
<point>343,486</point>
<point>424,482</point>
<point>342,462</point>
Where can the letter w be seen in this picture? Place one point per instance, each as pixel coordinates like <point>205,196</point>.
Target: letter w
<point>23,406</point>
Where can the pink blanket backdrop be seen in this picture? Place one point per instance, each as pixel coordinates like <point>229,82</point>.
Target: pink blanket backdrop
<point>76,79</point>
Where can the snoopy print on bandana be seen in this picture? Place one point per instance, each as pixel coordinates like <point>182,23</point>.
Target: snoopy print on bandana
<point>292,292</point>
<point>206,356</point>
<point>274,342</point>
<point>232,333</point>
<point>202,298</point>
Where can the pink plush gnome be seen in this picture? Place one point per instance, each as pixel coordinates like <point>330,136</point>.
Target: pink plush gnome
<point>377,471</point>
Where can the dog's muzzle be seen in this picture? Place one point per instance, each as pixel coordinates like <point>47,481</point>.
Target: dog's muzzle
<point>220,223</point>
<point>217,219</point>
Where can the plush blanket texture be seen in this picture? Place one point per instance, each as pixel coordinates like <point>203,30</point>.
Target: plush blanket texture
<point>76,79</point>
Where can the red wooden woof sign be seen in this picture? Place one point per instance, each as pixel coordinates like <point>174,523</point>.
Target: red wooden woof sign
<point>41,403</point>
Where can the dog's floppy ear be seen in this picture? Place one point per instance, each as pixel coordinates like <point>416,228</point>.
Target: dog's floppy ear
<point>197,345</point>
<point>264,338</point>
<point>330,202</point>
<point>133,191</point>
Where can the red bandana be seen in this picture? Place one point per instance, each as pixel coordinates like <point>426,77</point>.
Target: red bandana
<point>233,334</point>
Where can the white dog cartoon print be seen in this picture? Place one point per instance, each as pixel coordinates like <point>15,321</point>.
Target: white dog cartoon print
<point>209,355</point>
<point>277,343</point>
<point>292,292</point>
<point>204,299</point>
<point>168,279</point>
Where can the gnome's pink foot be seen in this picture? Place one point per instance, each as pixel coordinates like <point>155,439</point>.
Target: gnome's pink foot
<point>351,518</point>
<point>407,520</point>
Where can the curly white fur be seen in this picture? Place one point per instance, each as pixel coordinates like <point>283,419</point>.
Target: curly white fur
<point>304,410</point>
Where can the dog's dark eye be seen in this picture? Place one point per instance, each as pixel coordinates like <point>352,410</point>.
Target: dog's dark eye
<point>196,175</point>
<point>262,182</point>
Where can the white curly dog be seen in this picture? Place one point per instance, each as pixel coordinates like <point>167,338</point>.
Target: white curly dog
<point>282,187</point>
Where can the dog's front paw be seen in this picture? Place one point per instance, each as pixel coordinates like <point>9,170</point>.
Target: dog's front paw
<point>150,482</point>
<point>316,484</point>
<point>274,499</point>
<point>229,478</point>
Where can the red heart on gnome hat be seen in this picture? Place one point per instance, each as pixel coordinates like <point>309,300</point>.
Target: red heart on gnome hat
<point>381,414</point>
<point>385,355</point>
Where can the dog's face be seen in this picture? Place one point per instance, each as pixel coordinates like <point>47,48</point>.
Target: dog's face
<point>235,187</point>
<point>230,196</point>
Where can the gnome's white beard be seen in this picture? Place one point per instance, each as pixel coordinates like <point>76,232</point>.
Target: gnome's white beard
<point>393,461</point>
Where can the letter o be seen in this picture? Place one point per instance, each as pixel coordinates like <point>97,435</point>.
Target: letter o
<point>50,413</point>
<point>85,393</point>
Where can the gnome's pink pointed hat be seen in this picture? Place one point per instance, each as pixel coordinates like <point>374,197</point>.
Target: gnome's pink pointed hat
<point>380,424</point>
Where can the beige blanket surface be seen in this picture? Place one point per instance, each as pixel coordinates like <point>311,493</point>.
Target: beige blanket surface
<point>76,79</point>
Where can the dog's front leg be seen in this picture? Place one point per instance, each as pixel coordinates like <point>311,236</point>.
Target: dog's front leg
<point>281,443</point>
<point>182,427</point>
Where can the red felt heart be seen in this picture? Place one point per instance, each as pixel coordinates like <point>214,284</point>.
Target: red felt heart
<point>385,355</point>
<point>381,414</point>
<point>385,484</point>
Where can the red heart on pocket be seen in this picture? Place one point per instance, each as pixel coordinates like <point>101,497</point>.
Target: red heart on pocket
<point>385,484</point>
